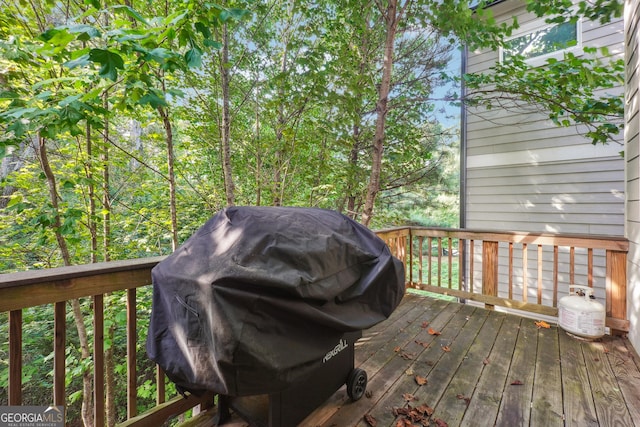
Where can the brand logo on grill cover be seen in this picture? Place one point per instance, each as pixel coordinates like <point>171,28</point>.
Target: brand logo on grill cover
<point>337,349</point>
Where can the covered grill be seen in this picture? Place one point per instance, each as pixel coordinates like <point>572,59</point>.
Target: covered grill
<point>260,299</point>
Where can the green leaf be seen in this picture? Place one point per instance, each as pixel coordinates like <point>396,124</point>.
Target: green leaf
<point>69,99</point>
<point>193,57</point>
<point>15,199</point>
<point>86,32</point>
<point>159,55</point>
<point>233,13</point>
<point>57,37</point>
<point>203,29</point>
<point>78,62</point>
<point>8,94</point>
<point>94,3</point>
<point>18,113</point>
<point>132,13</point>
<point>152,99</point>
<point>109,62</point>
<point>212,43</point>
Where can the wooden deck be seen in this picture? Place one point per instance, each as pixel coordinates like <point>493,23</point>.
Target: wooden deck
<point>484,368</point>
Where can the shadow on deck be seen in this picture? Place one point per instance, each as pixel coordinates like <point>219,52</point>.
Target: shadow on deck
<point>460,365</point>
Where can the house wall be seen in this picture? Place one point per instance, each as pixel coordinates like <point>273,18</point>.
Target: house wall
<point>632,141</point>
<point>526,174</point>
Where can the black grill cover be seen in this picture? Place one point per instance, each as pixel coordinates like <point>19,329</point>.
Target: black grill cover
<point>258,296</point>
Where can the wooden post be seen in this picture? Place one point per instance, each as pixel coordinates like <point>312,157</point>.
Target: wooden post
<point>59,346</point>
<point>15,357</point>
<point>98,361</point>
<point>132,339</point>
<point>489,270</point>
<point>616,286</point>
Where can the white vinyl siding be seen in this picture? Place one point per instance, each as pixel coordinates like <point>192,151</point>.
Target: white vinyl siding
<point>526,174</point>
<point>632,141</point>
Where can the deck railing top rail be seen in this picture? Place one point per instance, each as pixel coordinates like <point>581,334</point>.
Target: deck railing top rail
<point>618,243</point>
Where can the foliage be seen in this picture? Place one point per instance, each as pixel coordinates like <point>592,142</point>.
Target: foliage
<point>560,89</point>
<point>95,81</point>
<point>572,90</point>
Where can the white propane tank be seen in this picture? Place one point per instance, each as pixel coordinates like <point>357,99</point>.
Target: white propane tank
<point>580,314</point>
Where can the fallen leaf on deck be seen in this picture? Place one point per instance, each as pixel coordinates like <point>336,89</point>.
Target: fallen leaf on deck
<point>425,410</point>
<point>413,417</point>
<point>422,343</point>
<point>440,423</point>
<point>433,332</point>
<point>421,380</point>
<point>370,420</point>
<point>517,382</point>
<point>486,361</point>
<point>406,356</point>
<point>400,411</point>
<point>543,324</point>
<point>425,324</point>
<point>397,349</point>
<point>408,397</point>
<point>368,394</point>
<point>466,399</point>
<point>446,348</point>
<point>409,371</point>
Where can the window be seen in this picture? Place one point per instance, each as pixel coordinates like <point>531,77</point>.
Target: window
<point>538,45</point>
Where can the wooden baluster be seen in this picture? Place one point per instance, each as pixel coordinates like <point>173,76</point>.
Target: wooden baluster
<point>15,357</point>
<point>132,337</point>
<point>461,263</point>
<point>160,385</point>
<point>555,276</point>
<point>471,263</point>
<point>539,274</point>
<point>450,260</point>
<point>510,270</point>
<point>525,275</point>
<point>421,259</point>
<point>572,265</point>
<point>430,243</point>
<point>590,267</point>
<point>59,344</point>
<point>98,361</point>
<point>439,261</point>
<point>410,263</point>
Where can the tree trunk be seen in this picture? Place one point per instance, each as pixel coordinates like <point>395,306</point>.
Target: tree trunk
<point>351,173</point>
<point>229,187</point>
<point>391,22</point>
<point>166,122</point>
<point>87,383</point>
<point>109,362</point>
<point>258,172</point>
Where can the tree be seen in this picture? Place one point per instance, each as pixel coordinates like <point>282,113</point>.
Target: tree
<point>155,116</point>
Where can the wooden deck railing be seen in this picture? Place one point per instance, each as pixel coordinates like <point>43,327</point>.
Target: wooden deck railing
<point>519,270</point>
<point>523,271</point>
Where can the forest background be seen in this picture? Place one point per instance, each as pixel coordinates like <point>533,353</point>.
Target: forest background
<point>124,127</point>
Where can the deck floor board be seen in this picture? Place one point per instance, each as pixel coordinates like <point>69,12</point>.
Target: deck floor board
<point>486,368</point>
